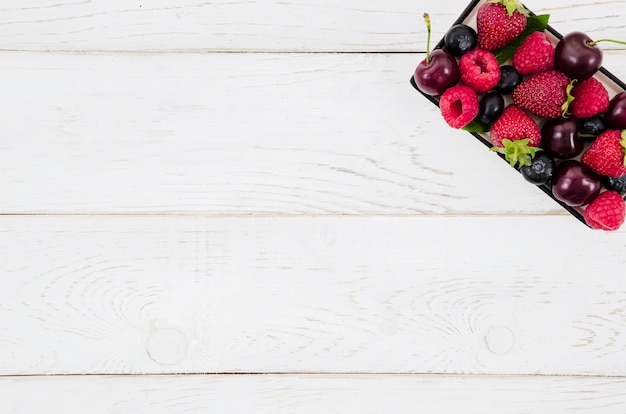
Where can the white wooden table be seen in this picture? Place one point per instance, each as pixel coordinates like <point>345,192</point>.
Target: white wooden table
<point>223,206</point>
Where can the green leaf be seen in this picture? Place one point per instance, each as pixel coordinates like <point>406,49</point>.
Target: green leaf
<point>512,6</point>
<point>533,24</point>
<point>518,153</point>
<point>570,98</point>
<point>476,126</point>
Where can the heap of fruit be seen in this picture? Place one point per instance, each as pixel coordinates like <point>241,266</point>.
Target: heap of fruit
<point>539,105</point>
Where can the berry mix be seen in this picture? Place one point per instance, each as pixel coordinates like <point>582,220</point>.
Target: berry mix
<point>538,103</point>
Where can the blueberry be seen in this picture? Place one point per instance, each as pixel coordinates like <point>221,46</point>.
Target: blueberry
<point>590,128</point>
<point>541,169</point>
<point>616,184</point>
<point>490,108</point>
<point>509,79</point>
<point>460,39</point>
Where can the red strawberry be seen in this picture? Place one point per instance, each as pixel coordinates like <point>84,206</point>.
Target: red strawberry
<point>516,135</point>
<point>535,54</point>
<point>590,98</point>
<point>545,94</point>
<point>479,70</point>
<point>459,105</point>
<point>499,22</point>
<point>606,212</point>
<point>606,154</point>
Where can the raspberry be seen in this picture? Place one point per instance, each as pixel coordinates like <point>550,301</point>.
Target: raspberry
<point>534,55</point>
<point>606,212</point>
<point>590,98</point>
<point>459,106</point>
<point>479,70</point>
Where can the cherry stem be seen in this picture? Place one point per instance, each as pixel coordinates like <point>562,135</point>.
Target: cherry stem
<point>427,20</point>
<point>606,40</point>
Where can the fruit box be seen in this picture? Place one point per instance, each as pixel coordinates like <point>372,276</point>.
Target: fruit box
<point>612,84</point>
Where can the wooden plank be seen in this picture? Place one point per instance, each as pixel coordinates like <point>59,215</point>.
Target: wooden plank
<point>276,394</point>
<point>272,25</point>
<point>480,295</point>
<point>227,134</point>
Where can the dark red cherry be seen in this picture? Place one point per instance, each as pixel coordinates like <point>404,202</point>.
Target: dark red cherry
<point>577,56</point>
<point>615,115</point>
<point>438,72</point>
<point>560,138</point>
<point>575,184</point>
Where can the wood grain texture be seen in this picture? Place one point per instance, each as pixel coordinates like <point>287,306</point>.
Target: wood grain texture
<point>281,214</point>
<point>226,134</point>
<point>278,394</point>
<point>271,25</point>
<point>137,295</point>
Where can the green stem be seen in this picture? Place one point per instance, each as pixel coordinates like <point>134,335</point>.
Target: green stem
<point>606,40</point>
<point>427,20</point>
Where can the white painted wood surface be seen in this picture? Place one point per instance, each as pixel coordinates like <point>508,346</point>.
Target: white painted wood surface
<point>167,208</point>
<point>281,394</point>
<point>265,25</point>
<point>309,294</point>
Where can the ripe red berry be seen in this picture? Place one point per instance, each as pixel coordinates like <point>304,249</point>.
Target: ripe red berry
<point>498,22</point>
<point>516,135</point>
<point>590,98</point>
<point>545,94</point>
<point>515,124</point>
<point>606,154</point>
<point>459,106</point>
<point>535,54</point>
<point>606,212</point>
<point>479,70</point>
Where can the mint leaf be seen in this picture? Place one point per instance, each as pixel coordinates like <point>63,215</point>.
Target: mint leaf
<point>476,126</point>
<point>533,24</point>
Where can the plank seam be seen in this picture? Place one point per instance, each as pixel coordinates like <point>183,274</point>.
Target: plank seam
<point>280,215</point>
<point>324,374</point>
<point>229,52</point>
